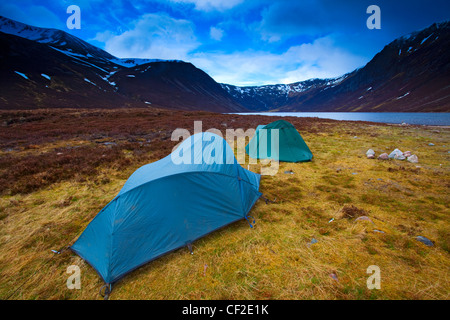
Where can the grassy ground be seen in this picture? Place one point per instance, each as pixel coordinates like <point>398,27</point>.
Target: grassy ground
<point>59,168</point>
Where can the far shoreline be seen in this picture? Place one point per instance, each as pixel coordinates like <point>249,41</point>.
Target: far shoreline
<point>403,118</point>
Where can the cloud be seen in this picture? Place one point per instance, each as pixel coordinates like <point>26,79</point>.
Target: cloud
<point>319,59</point>
<point>284,18</point>
<point>154,36</point>
<point>216,33</point>
<point>35,15</point>
<point>211,5</point>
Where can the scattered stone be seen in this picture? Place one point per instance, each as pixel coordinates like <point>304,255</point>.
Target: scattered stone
<point>313,241</point>
<point>289,172</point>
<point>425,241</point>
<point>394,153</point>
<point>399,157</point>
<point>334,276</point>
<point>431,144</point>
<point>363,218</point>
<point>355,137</point>
<point>59,154</point>
<point>370,154</point>
<point>354,173</point>
<point>383,156</point>
<point>407,154</point>
<point>413,159</point>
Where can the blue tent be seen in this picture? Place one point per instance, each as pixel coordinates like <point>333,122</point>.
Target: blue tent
<point>288,146</point>
<point>167,205</point>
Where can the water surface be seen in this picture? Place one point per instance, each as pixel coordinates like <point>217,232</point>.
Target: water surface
<point>421,118</point>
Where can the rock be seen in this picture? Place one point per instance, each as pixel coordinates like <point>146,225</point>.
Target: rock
<point>394,153</point>
<point>289,172</point>
<point>431,144</point>
<point>383,156</point>
<point>334,276</point>
<point>378,231</point>
<point>413,159</point>
<point>313,241</point>
<point>425,241</point>
<point>363,218</point>
<point>355,137</point>
<point>370,154</point>
<point>399,157</point>
<point>407,153</point>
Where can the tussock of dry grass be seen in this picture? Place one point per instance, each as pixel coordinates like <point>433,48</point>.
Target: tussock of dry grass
<point>273,260</point>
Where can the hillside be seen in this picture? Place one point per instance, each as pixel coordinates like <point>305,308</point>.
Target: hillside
<point>411,74</point>
<point>48,68</point>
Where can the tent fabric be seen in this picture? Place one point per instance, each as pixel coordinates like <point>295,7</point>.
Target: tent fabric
<point>291,146</point>
<point>164,206</point>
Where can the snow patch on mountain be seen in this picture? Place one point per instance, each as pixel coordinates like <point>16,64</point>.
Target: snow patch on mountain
<point>22,75</point>
<point>134,62</point>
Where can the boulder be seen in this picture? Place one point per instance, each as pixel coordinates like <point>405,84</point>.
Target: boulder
<point>425,241</point>
<point>413,159</point>
<point>399,157</point>
<point>383,156</point>
<point>370,154</point>
<point>407,154</point>
<point>394,153</point>
<point>364,218</point>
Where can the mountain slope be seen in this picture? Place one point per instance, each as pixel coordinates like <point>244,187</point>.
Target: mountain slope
<point>411,74</point>
<point>265,98</point>
<point>47,68</point>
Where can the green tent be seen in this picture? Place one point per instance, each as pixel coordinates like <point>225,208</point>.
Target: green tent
<point>292,147</point>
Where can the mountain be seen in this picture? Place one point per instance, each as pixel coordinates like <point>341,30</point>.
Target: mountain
<point>47,68</point>
<point>268,97</point>
<point>411,74</point>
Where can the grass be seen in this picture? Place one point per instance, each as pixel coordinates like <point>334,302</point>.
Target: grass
<point>48,199</point>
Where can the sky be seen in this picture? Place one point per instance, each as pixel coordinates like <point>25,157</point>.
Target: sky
<point>239,42</point>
